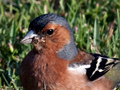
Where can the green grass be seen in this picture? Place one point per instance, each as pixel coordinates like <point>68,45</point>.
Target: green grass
<point>96,27</point>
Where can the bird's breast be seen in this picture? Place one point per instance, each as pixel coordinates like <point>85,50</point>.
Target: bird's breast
<point>42,69</point>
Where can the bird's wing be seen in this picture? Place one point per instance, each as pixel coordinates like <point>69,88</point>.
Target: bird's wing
<point>99,64</point>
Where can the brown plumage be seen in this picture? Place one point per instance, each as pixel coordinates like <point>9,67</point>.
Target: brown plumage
<point>55,63</point>
<point>43,71</point>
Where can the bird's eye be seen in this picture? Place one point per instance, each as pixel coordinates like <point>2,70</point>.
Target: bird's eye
<point>50,31</point>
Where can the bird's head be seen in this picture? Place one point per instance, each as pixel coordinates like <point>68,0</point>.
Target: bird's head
<point>52,32</point>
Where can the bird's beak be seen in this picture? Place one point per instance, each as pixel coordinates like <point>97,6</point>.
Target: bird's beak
<point>28,37</point>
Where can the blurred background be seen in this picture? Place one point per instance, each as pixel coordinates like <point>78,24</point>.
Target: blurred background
<point>95,23</point>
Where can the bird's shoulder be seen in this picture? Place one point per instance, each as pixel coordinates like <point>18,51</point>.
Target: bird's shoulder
<point>82,58</point>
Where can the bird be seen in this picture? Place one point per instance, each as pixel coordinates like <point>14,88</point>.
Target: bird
<point>55,63</point>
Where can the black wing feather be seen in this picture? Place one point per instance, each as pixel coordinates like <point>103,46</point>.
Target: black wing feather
<point>100,65</point>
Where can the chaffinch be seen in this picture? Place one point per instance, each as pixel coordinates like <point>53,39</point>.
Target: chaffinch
<point>55,63</point>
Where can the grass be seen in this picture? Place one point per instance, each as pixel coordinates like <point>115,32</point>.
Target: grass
<point>96,27</point>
